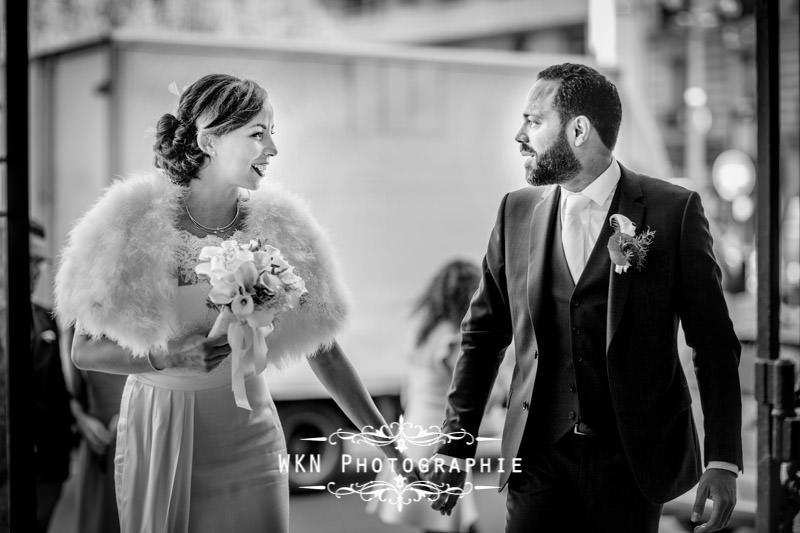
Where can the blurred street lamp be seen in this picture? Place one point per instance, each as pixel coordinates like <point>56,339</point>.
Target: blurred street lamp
<point>695,96</point>
<point>699,113</point>
<point>743,208</point>
<point>733,175</point>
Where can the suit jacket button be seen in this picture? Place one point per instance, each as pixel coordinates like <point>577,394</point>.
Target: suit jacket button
<point>536,354</point>
<point>576,331</point>
<point>525,405</point>
<point>573,415</point>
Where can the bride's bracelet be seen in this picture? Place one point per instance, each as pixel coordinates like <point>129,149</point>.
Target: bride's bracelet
<point>152,365</point>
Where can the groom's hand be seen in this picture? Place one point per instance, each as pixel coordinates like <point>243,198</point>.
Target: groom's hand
<point>444,479</point>
<point>403,461</point>
<point>719,486</point>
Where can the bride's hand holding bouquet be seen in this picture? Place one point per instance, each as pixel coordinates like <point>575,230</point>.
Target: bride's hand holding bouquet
<point>194,351</point>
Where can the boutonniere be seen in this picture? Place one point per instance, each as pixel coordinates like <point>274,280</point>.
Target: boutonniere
<point>625,248</point>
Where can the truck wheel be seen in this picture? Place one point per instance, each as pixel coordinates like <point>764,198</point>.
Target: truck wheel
<point>321,461</point>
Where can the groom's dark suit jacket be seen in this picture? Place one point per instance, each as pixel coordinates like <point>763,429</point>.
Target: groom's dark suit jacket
<point>649,397</point>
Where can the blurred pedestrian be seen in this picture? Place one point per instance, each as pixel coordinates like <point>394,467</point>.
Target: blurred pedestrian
<point>52,421</point>
<point>440,307</point>
<point>95,406</point>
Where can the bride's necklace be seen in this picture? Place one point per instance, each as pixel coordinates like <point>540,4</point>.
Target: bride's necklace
<point>217,230</point>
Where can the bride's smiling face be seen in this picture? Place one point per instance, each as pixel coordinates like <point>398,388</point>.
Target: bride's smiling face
<point>240,157</point>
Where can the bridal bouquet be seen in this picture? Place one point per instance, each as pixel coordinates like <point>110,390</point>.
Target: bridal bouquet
<point>251,284</point>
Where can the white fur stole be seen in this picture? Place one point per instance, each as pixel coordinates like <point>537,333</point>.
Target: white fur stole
<point>117,275</point>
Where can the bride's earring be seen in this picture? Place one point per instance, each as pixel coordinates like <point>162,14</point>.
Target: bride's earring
<point>206,144</point>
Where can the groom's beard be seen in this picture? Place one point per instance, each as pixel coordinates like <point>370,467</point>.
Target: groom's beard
<point>554,166</point>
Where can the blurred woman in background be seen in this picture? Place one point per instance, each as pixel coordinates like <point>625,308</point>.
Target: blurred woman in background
<point>440,307</point>
<point>95,407</point>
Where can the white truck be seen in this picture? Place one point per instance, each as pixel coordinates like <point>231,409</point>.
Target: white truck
<point>402,153</point>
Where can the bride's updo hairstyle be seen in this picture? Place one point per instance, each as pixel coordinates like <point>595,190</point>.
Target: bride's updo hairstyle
<point>216,104</point>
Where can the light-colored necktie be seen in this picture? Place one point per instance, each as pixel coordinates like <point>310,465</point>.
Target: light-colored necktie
<point>574,234</point>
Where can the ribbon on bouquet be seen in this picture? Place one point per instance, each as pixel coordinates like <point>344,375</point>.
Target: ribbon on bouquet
<point>247,336</point>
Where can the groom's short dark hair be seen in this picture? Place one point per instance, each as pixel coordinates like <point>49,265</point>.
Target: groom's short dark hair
<point>584,91</point>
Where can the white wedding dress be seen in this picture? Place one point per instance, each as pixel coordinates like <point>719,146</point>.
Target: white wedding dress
<point>188,459</point>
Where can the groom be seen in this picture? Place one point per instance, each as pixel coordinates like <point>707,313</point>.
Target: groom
<point>599,410</point>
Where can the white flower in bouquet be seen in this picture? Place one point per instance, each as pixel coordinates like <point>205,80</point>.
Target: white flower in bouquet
<point>253,281</point>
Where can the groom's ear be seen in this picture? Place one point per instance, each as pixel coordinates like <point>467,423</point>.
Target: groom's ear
<point>580,130</point>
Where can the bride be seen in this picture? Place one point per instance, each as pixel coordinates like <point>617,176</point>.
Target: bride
<point>189,459</point>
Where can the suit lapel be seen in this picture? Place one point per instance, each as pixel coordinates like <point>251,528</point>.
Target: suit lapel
<point>632,205</point>
<point>542,227</point>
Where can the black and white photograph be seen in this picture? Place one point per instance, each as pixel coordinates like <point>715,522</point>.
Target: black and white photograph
<point>398,266</point>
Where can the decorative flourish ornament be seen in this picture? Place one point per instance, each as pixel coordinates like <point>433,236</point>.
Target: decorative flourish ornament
<point>401,433</point>
<point>173,89</point>
<point>398,492</point>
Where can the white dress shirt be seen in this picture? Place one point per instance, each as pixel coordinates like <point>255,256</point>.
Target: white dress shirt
<point>600,193</point>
